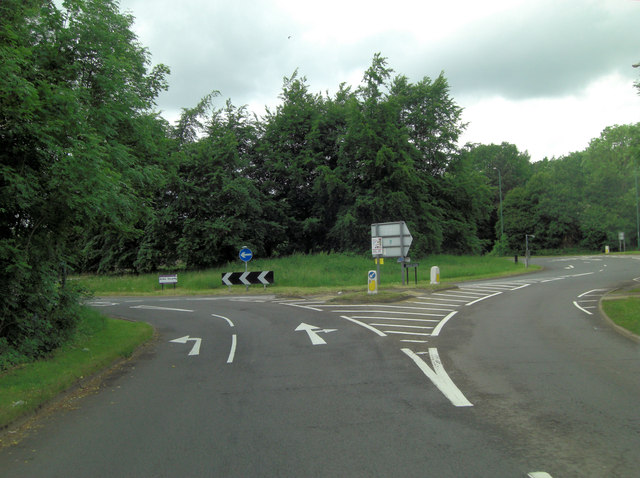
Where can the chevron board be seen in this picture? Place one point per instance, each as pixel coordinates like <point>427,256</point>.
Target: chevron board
<point>247,278</point>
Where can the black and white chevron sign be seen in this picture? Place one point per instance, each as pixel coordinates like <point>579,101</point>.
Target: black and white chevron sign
<point>247,278</point>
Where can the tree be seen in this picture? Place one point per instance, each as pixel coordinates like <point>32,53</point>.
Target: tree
<point>75,82</point>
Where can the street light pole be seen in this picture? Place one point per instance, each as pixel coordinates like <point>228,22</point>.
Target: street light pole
<point>501,216</point>
<point>637,212</point>
<point>526,255</point>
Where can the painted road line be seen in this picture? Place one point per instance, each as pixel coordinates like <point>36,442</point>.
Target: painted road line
<point>582,309</point>
<point>422,327</point>
<point>394,307</point>
<point>232,352</point>
<point>450,300</point>
<point>398,319</point>
<point>438,328</point>
<point>434,308</point>
<point>398,332</point>
<point>439,377</point>
<point>589,292</point>
<point>225,318</point>
<point>366,326</point>
<point>468,294</point>
<point>482,298</point>
<point>302,306</point>
<point>387,311</point>
<point>539,474</point>
<point>153,307</point>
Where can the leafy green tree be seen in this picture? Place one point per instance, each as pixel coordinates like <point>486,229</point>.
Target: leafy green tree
<point>75,81</point>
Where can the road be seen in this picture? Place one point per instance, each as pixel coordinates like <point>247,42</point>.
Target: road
<point>515,377</point>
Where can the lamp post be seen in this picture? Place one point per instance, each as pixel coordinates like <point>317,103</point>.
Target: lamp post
<point>500,189</point>
<point>637,212</point>
<point>526,255</point>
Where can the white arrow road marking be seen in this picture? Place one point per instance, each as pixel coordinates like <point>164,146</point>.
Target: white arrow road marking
<point>195,350</point>
<point>313,332</point>
<point>439,377</point>
<point>539,474</point>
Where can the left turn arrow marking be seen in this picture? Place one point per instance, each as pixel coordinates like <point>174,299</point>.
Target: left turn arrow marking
<point>195,350</point>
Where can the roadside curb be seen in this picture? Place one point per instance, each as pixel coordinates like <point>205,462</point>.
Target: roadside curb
<point>620,330</point>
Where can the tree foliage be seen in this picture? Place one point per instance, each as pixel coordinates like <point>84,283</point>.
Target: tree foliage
<point>75,98</point>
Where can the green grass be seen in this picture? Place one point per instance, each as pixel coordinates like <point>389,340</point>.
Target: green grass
<point>625,312</point>
<point>301,273</point>
<point>99,342</point>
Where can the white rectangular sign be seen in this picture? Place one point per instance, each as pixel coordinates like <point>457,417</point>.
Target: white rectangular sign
<point>376,246</point>
<point>172,279</point>
<point>394,236</point>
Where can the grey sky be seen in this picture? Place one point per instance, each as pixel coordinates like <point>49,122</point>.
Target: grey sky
<point>546,75</point>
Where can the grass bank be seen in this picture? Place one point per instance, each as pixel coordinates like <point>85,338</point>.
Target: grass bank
<point>98,343</point>
<point>624,311</point>
<point>308,274</point>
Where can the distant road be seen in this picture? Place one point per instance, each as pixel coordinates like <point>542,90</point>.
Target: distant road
<point>502,378</point>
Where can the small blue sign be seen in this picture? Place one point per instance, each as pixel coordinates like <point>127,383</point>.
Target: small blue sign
<point>245,254</point>
<point>372,275</point>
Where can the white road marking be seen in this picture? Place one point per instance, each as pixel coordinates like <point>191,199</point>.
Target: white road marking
<point>438,328</point>
<point>222,317</point>
<point>366,326</point>
<point>439,377</point>
<point>232,352</point>
<point>483,298</point>
<point>594,290</point>
<point>153,307</point>
<point>195,350</point>
<point>404,326</point>
<point>400,319</point>
<point>581,308</point>
<point>539,474</point>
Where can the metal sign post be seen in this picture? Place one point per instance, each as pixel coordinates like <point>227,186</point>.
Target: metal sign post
<point>390,239</point>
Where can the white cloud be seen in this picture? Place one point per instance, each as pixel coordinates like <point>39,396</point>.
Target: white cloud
<point>546,75</point>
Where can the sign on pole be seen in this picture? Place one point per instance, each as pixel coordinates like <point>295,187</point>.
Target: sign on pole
<point>245,254</point>
<point>392,238</point>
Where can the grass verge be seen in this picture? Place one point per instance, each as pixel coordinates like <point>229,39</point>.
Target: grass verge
<point>309,274</point>
<point>625,312</point>
<point>99,342</point>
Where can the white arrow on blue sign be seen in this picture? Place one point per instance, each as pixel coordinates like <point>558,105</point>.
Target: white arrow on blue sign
<point>246,255</point>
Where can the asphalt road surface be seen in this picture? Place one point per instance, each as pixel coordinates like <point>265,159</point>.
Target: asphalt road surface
<point>516,377</point>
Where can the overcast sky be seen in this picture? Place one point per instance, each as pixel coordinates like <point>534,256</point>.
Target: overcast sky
<point>545,75</point>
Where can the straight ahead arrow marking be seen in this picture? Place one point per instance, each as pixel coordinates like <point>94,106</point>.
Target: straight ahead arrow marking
<point>313,331</point>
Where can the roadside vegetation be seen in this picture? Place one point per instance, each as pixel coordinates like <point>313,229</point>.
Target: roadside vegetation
<point>308,274</point>
<point>624,311</point>
<point>97,344</point>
